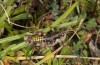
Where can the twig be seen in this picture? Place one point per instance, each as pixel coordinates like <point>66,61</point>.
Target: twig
<point>59,56</point>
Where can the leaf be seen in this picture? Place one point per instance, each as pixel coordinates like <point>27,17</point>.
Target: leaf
<point>19,46</point>
<point>81,32</point>
<point>49,60</point>
<point>11,53</point>
<point>11,58</point>
<point>19,10</point>
<point>65,50</point>
<point>91,24</point>
<point>4,52</point>
<point>11,38</point>
<point>2,22</point>
<point>77,47</point>
<point>55,61</point>
<point>9,2</point>
<point>21,16</point>
<point>20,53</point>
<point>67,25</point>
<point>85,53</point>
<point>28,51</point>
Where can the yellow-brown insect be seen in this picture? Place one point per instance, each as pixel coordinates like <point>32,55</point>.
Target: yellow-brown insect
<point>38,40</point>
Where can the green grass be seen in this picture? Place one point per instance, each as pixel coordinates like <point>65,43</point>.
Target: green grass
<point>81,18</point>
